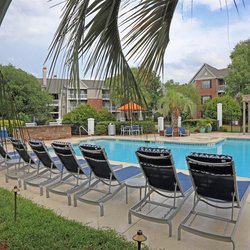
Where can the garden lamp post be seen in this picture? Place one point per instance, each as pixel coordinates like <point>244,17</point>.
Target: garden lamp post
<point>139,237</point>
<point>15,190</point>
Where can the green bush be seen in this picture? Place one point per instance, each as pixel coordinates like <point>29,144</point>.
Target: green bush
<point>196,123</point>
<point>223,129</point>
<point>100,129</point>
<point>105,115</point>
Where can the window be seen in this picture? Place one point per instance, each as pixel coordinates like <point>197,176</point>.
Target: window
<point>205,98</point>
<point>206,84</point>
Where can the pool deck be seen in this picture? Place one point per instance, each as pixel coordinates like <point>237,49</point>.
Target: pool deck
<point>116,209</point>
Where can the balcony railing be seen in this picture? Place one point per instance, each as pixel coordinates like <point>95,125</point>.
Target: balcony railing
<point>221,88</point>
<point>82,96</point>
<point>105,96</point>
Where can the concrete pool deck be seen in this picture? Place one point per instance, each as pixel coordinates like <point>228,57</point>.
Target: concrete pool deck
<point>116,209</point>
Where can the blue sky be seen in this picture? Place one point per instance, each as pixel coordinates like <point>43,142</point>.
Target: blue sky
<point>207,35</point>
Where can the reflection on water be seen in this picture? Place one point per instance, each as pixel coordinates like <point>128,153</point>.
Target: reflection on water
<point>124,151</point>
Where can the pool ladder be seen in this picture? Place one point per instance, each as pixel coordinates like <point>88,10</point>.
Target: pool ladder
<point>84,129</point>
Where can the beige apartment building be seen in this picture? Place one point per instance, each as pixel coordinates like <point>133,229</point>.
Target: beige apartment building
<point>66,97</point>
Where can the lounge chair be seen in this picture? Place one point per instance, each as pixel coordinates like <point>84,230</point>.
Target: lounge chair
<point>27,166</point>
<point>105,174</point>
<point>52,167</point>
<point>214,181</point>
<point>162,182</point>
<point>169,131</point>
<point>182,132</point>
<point>8,159</point>
<point>75,172</point>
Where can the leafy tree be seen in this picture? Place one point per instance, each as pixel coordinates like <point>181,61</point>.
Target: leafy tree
<point>175,103</point>
<point>80,115</point>
<point>29,97</point>
<point>150,88</point>
<point>238,78</point>
<point>230,107</point>
<point>105,115</point>
<point>186,89</point>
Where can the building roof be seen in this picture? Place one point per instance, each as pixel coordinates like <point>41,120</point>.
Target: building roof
<point>214,72</point>
<point>55,85</point>
<point>94,84</point>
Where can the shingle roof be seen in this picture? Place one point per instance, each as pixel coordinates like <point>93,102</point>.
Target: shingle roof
<point>55,85</point>
<point>217,73</point>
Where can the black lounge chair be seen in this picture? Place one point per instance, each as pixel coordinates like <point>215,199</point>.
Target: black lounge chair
<point>163,182</point>
<point>214,181</point>
<point>28,165</point>
<point>75,172</point>
<point>52,167</point>
<point>113,178</point>
<point>7,159</point>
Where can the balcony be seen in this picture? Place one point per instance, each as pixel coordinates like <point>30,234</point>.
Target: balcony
<point>221,88</point>
<point>105,96</point>
<point>55,102</point>
<point>76,97</point>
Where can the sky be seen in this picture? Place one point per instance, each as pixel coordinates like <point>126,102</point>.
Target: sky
<point>205,32</point>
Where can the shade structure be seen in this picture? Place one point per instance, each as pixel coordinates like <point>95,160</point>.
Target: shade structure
<point>131,106</point>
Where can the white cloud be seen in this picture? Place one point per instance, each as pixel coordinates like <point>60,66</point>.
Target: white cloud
<point>34,23</point>
<point>193,44</point>
<point>216,4</point>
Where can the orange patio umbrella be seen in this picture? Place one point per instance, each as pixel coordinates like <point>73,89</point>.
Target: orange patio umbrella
<point>131,106</point>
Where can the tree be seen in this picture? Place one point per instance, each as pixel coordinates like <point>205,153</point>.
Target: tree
<point>230,107</point>
<point>174,103</point>
<point>186,89</point>
<point>30,99</point>
<point>238,78</point>
<point>151,89</point>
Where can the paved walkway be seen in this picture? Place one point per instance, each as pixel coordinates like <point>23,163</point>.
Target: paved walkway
<point>116,210</point>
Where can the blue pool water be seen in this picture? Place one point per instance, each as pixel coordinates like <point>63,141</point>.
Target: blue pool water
<point>124,151</point>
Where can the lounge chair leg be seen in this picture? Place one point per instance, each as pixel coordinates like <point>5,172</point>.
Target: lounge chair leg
<point>101,209</point>
<point>126,195</point>
<point>19,183</point>
<point>6,179</point>
<point>233,245</point>
<point>170,229</point>
<point>41,191</point>
<point>179,233</point>
<point>24,185</point>
<point>47,193</point>
<point>75,201</point>
<point>69,199</point>
<point>129,218</point>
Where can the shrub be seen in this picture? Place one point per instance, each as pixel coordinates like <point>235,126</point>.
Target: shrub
<point>105,115</point>
<point>195,123</point>
<point>100,129</point>
<point>223,129</point>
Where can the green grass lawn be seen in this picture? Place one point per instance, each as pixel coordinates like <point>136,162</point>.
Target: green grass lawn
<point>40,228</point>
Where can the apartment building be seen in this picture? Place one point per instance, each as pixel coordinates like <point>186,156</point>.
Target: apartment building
<point>67,97</point>
<point>209,82</point>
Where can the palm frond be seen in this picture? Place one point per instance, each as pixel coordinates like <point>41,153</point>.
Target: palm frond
<point>68,38</point>
<point>149,35</point>
<point>4,5</point>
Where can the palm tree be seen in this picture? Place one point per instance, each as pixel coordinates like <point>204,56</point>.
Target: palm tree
<point>90,30</point>
<point>174,103</point>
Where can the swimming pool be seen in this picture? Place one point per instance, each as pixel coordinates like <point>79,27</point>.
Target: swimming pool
<point>124,151</point>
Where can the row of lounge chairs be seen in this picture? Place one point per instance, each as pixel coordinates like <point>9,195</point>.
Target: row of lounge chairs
<point>211,177</point>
